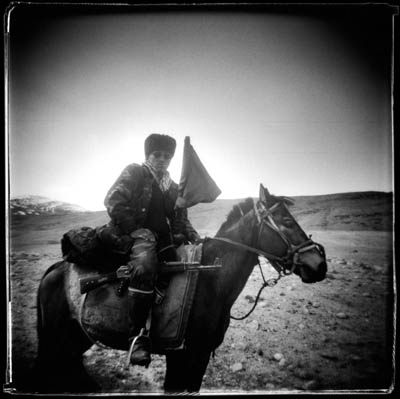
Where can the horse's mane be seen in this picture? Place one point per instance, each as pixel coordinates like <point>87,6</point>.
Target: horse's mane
<point>236,213</point>
<point>246,205</point>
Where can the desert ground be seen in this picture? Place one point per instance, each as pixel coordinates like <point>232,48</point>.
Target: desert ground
<point>332,336</point>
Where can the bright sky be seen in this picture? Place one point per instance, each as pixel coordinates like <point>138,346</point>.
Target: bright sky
<point>300,103</point>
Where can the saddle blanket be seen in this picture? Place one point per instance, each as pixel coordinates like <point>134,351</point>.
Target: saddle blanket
<point>103,312</point>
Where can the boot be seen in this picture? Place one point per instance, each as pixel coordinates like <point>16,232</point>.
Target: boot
<point>139,341</point>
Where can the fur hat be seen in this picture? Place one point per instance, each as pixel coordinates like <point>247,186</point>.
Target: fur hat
<point>159,142</point>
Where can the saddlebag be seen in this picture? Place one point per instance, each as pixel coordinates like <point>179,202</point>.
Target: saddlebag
<point>83,247</point>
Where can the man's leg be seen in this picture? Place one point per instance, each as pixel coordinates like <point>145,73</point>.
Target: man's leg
<point>144,265</point>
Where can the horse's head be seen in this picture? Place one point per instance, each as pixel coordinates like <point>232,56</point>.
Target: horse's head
<point>281,235</point>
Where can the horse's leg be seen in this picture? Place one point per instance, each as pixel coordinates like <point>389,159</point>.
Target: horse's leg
<point>197,364</point>
<point>78,343</point>
<point>175,375</point>
<point>185,370</point>
<point>61,342</point>
<point>60,359</point>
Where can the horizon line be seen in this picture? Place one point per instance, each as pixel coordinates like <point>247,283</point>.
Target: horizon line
<point>20,196</point>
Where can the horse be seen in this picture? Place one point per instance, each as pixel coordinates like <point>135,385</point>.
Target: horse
<point>253,228</point>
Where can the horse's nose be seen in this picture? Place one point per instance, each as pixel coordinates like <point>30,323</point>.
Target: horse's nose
<point>313,274</point>
<point>322,269</point>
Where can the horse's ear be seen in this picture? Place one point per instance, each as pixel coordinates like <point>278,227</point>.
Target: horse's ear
<point>263,197</point>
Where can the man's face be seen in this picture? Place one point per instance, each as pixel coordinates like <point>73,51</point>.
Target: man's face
<point>160,160</point>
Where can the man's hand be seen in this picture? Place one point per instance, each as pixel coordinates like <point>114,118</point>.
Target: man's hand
<point>178,239</point>
<point>180,203</point>
<point>194,238</point>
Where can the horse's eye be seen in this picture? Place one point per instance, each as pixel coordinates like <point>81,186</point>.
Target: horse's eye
<point>287,222</point>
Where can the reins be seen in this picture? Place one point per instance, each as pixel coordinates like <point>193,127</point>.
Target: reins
<point>250,249</point>
<point>266,283</point>
<point>277,262</point>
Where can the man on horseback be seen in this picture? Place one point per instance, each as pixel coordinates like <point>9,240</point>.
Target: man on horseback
<point>145,222</point>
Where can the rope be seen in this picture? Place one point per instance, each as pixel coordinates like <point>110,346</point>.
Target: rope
<point>259,252</point>
<point>266,283</point>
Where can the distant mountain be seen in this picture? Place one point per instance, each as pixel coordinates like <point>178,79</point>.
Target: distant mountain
<point>38,205</point>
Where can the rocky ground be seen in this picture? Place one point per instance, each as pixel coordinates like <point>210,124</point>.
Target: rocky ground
<point>335,335</point>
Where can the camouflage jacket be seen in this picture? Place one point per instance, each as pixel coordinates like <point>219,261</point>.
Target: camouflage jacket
<point>128,200</point>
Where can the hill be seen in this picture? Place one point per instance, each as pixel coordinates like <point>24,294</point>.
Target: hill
<point>38,205</point>
<point>345,211</point>
<point>368,210</point>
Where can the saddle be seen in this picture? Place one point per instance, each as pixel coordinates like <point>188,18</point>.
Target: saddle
<point>103,311</point>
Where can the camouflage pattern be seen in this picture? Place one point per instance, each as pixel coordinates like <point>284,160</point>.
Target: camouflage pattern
<point>127,203</point>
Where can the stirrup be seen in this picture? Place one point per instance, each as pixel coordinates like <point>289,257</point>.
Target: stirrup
<point>142,335</point>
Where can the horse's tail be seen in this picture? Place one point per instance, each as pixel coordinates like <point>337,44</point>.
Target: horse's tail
<point>39,330</point>
<point>39,312</point>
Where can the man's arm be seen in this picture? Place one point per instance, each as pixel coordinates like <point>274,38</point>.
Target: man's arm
<point>118,201</point>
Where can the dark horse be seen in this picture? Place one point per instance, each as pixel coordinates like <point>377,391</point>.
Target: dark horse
<point>253,228</point>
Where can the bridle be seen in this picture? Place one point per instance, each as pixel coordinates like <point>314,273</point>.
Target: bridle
<point>284,265</point>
